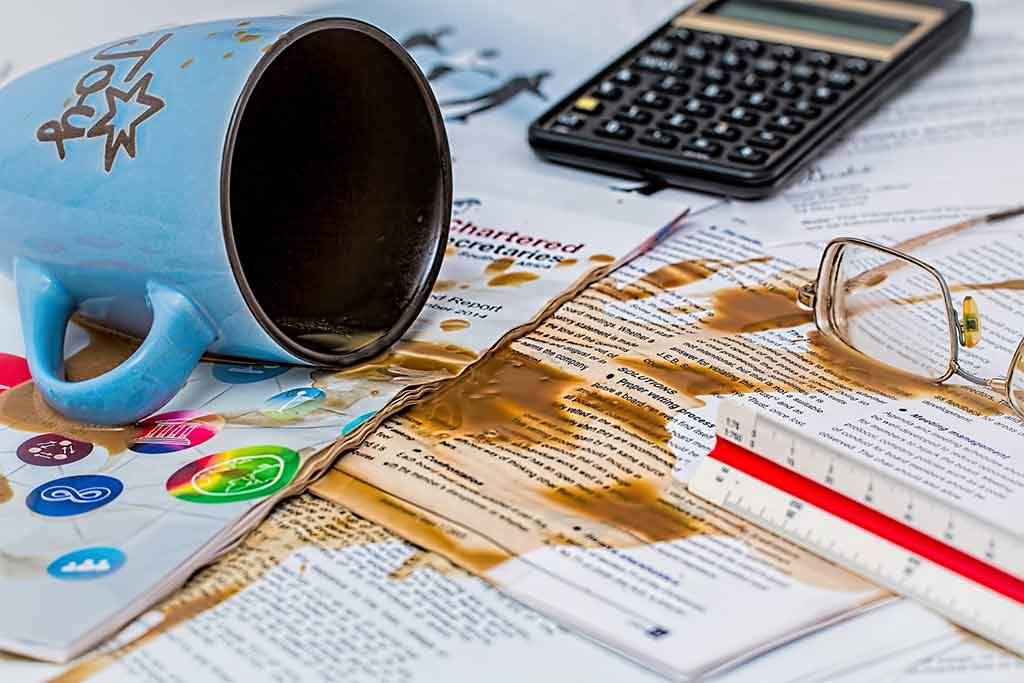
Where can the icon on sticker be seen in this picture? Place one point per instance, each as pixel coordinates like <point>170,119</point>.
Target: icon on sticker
<point>49,450</point>
<point>87,563</point>
<point>176,431</point>
<point>73,495</point>
<point>247,374</point>
<point>294,403</point>
<point>236,475</point>
<point>13,371</point>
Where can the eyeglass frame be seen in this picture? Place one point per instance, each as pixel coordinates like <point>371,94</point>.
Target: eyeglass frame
<point>809,297</point>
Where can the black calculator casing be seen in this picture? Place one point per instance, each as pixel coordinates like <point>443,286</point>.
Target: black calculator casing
<point>584,149</point>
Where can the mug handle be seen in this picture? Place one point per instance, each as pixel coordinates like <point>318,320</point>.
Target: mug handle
<point>141,385</point>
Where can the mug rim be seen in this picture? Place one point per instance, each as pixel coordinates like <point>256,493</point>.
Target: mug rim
<point>419,299</point>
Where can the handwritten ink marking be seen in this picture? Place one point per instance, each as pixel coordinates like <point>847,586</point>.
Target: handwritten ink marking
<point>79,119</point>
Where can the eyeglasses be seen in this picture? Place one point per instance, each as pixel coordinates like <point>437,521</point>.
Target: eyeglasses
<point>898,310</point>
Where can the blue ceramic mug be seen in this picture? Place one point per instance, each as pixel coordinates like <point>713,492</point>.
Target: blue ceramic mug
<point>276,189</point>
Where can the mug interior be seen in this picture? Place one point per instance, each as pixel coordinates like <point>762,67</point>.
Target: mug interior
<point>338,192</point>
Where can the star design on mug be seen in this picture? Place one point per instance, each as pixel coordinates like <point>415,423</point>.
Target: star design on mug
<point>118,137</point>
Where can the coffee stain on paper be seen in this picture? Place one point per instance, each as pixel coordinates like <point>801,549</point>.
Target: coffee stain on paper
<point>6,493</point>
<point>453,324</point>
<point>499,265</point>
<point>512,279</point>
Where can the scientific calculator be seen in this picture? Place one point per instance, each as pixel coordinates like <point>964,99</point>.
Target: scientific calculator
<point>736,97</point>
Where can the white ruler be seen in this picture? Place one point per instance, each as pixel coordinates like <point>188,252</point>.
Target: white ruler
<point>760,491</point>
<point>829,466</point>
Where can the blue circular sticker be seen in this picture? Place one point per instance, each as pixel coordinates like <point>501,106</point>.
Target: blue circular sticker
<point>87,563</point>
<point>294,403</point>
<point>74,495</point>
<point>247,374</point>
<point>357,423</point>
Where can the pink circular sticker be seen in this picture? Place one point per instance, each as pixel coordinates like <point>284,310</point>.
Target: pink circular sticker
<point>176,431</point>
<point>13,371</point>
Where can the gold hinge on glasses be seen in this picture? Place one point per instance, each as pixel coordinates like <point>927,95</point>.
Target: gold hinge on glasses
<point>805,295</point>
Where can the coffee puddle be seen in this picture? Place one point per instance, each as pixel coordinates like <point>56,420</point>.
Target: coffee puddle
<point>673,276</point>
<point>512,279</point>
<point>637,509</point>
<point>491,398</point>
<point>5,490</point>
<point>444,285</point>
<point>744,310</point>
<point>602,258</point>
<point>23,408</point>
<point>410,362</point>
<point>565,263</point>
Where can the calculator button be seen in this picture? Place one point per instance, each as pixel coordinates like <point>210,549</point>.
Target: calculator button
<point>749,155</point>
<point>751,47</point>
<point>861,67</point>
<point>658,138</point>
<point>680,123</point>
<point>697,55</point>
<point>695,107</point>
<point>804,73</point>
<point>662,48</point>
<point>569,122</point>
<point>608,91</point>
<point>786,53</point>
<point>713,74</point>
<point>822,59</point>
<point>840,80</point>
<point>825,95</point>
<point>804,110</point>
<point>660,65</point>
<point>768,140</point>
<point>788,88</point>
<point>767,67</point>
<point>625,77</point>
<point>704,147</point>
<point>733,61</point>
<point>633,114</point>
<point>653,100</point>
<point>588,105</point>
<point>679,35</point>
<point>724,131</point>
<point>714,41</point>
<point>752,83</point>
<point>759,101</point>
<point>785,124</point>
<point>614,130</point>
<point>742,117</point>
<point>715,93</point>
<point>671,85</point>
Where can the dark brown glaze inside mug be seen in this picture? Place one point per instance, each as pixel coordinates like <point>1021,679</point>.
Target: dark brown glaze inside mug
<point>338,192</point>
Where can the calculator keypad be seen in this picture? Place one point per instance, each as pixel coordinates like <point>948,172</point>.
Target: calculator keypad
<point>737,102</point>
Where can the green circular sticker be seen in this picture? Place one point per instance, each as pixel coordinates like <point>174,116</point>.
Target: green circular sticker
<point>236,475</point>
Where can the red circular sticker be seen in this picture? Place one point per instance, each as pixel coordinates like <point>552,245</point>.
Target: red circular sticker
<point>13,371</point>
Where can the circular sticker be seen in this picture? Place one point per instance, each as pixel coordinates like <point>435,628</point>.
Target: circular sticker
<point>247,374</point>
<point>73,495</point>
<point>13,371</point>
<point>49,450</point>
<point>236,475</point>
<point>176,431</point>
<point>294,403</point>
<point>87,563</point>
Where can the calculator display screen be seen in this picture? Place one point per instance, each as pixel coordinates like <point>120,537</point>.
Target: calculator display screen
<point>831,21</point>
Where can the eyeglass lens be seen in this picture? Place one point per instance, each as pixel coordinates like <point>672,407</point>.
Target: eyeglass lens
<point>892,310</point>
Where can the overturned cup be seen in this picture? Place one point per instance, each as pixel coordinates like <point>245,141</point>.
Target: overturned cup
<point>272,189</point>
